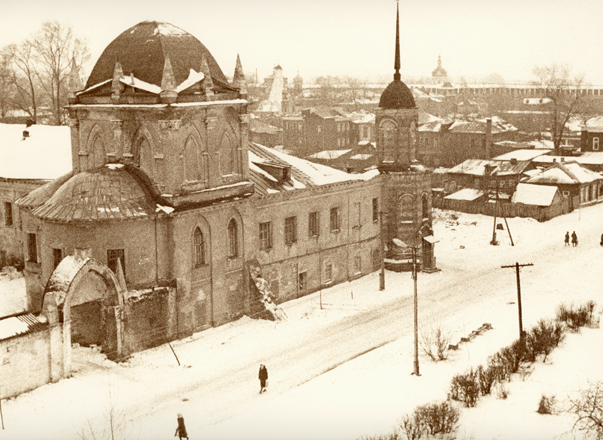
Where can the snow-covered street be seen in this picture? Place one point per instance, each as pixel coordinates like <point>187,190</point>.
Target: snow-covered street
<point>339,366</point>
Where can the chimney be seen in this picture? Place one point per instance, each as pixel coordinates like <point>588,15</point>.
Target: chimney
<point>489,138</point>
<point>513,161</point>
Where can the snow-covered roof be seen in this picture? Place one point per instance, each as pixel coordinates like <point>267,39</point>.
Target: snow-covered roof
<point>329,154</point>
<point>539,195</point>
<point>45,154</point>
<point>521,154</point>
<point>466,194</point>
<point>304,173</point>
<point>567,173</point>
<point>477,167</point>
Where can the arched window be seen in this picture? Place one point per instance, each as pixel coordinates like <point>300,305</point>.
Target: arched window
<point>98,151</point>
<point>233,243</point>
<point>146,156</point>
<point>228,161</point>
<point>191,162</point>
<point>199,247</point>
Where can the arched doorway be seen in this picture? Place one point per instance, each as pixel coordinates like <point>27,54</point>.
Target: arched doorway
<point>87,299</point>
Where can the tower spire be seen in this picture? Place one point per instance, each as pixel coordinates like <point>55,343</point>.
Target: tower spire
<point>397,58</point>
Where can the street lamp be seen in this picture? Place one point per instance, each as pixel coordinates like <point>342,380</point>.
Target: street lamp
<point>400,243</point>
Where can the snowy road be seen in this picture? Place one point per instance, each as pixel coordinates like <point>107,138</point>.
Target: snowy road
<point>217,382</point>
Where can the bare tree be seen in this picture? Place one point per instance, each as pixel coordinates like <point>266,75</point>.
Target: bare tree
<point>5,83</point>
<point>565,94</point>
<point>22,77</point>
<point>356,88</point>
<point>56,52</point>
<point>587,407</point>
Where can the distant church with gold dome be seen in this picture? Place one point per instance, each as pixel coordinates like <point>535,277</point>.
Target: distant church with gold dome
<point>172,221</point>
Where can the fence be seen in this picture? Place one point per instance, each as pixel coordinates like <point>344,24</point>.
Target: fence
<point>504,209</point>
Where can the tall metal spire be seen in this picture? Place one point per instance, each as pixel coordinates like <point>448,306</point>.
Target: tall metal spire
<point>397,58</point>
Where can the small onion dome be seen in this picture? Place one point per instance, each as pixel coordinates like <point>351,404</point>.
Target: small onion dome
<point>397,96</point>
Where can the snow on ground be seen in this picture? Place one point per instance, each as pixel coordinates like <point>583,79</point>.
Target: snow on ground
<point>366,395</point>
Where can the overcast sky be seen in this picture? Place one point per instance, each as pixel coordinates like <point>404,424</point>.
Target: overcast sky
<point>475,38</point>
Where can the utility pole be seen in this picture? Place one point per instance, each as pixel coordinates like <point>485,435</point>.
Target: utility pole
<point>517,266</point>
<point>382,250</point>
<point>414,248</point>
<point>414,276</point>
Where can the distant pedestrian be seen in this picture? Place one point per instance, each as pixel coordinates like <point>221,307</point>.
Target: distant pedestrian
<point>263,376</point>
<point>601,239</point>
<point>181,429</point>
<point>567,238</point>
<point>574,239</point>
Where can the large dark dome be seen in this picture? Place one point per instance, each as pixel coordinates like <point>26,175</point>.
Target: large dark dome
<point>142,49</point>
<point>397,96</point>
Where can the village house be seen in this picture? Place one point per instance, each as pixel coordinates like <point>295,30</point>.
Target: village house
<point>171,221</point>
<point>449,143</point>
<point>578,184</point>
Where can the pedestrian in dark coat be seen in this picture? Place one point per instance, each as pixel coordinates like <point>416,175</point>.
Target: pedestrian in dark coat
<point>263,376</point>
<point>567,238</point>
<point>601,239</point>
<point>181,429</point>
<point>574,239</point>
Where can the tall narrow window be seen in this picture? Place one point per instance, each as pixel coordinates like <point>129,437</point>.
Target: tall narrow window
<point>302,281</point>
<point>595,144</point>
<point>290,230</point>
<point>32,248</point>
<point>266,236</point>
<point>357,264</point>
<point>313,224</point>
<point>8,213</point>
<point>115,255</point>
<point>233,243</point>
<point>57,257</point>
<point>328,273</point>
<point>335,220</point>
<point>375,210</point>
<point>199,242</point>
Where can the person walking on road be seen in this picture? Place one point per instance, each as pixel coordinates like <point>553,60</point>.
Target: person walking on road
<point>567,238</point>
<point>181,429</point>
<point>574,239</point>
<point>263,376</point>
<point>601,240</point>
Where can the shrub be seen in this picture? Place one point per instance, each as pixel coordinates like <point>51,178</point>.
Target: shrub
<point>435,343</point>
<point>390,436</point>
<point>588,409</point>
<point>576,316</point>
<point>440,417</point>
<point>464,388</point>
<point>545,336</point>
<point>486,378</point>
<point>502,392</point>
<point>546,405</point>
<point>412,426</point>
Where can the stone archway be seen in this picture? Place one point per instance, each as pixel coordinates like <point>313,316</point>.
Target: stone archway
<point>83,299</point>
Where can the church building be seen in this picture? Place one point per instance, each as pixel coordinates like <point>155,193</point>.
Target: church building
<point>172,221</point>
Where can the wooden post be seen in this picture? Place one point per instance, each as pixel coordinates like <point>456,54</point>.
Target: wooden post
<point>516,266</point>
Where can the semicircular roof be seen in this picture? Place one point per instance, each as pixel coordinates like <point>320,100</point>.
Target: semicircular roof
<point>108,193</point>
<point>142,49</point>
<point>397,96</point>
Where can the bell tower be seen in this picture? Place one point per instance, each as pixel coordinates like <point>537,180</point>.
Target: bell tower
<point>406,189</point>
